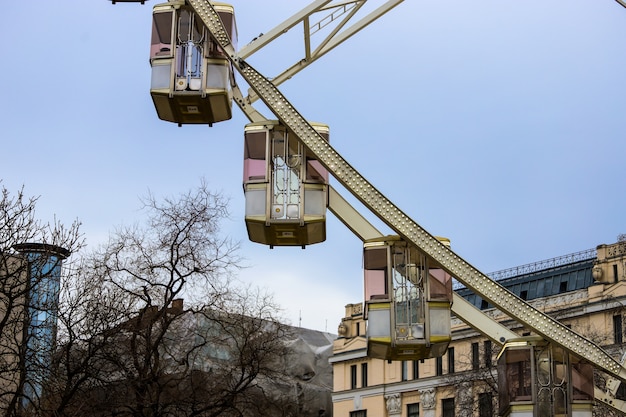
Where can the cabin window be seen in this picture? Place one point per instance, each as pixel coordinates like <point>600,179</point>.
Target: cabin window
<point>254,165</point>
<point>375,265</point>
<point>217,76</point>
<point>161,45</point>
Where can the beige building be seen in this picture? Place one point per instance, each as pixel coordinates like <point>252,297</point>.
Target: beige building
<point>585,291</point>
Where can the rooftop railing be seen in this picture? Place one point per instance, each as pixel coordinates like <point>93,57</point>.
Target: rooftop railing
<point>546,264</point>
<point>538,266</point>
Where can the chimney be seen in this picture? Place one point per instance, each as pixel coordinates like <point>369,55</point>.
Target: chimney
<point>177,305</point>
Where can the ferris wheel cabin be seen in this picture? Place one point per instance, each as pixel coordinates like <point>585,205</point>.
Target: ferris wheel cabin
<point>536,378</point>
<point>191,76</point>
<point>285,186</point>
<point>407,301</point>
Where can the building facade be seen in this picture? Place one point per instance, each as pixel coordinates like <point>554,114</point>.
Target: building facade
<point>586,291</point>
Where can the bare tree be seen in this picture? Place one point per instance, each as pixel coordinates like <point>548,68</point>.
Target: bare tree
<point>128,345</point>
<point>88,315</point>
<point>132,347</point>
<point>177,252</point>
<point>25,297</point>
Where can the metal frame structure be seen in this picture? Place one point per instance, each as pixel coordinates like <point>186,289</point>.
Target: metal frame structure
<point>340,12</point>
<point>409,230</point>
<point>397,220</point>
<point>545,264</point>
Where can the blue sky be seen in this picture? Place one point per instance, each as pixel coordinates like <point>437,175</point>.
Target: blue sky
<point>497,124</point>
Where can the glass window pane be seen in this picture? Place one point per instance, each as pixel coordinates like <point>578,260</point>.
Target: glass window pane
<point>413,410</point>
<point>161,44</point>
<point>582,381</point>
<point>375,258</point>
<point>447,406</point>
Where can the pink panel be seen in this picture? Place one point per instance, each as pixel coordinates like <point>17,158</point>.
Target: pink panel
<point>253,169</point>
<point>441,286</point>
<point>374,283</point>
<point>315,171</point>
<point>160,49</point>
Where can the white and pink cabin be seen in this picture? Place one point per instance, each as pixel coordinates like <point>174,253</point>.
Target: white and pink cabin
<point>285,186</point>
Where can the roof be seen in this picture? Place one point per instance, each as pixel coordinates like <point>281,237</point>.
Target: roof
<point>542,283</point>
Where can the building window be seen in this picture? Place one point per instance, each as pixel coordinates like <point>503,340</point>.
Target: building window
<point>523,295</point>
<point>439,365</point>
<point>451,360</point>
<point>413,410</point>
<point>359,413</point>
<point>364,375</point>
<point>416,369</point>
<point>447,407</point>
<point>475,357</point>
<point>353,377</point>
<point>404,371</point>
<point>488,353</point>
<point>563,287</point>
<point>484,304</point>
<point>617,329</point>
<point>485,405</point>
<point>615,279</point>
<point>358,328</point>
